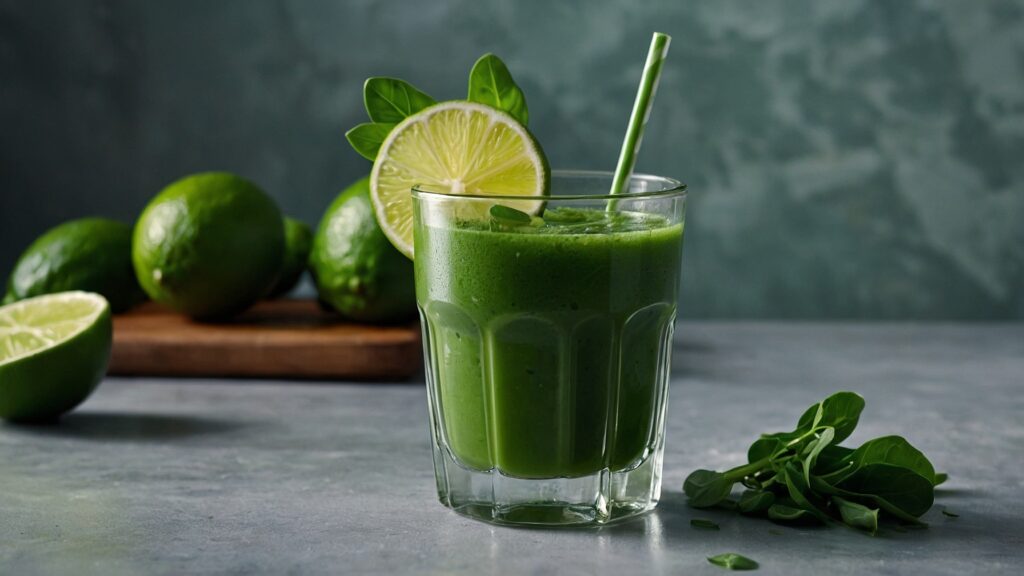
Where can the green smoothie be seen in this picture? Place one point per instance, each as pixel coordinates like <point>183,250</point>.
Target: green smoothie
<point>550,340</point>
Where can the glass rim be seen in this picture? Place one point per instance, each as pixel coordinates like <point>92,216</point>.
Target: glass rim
<point>669,187</point>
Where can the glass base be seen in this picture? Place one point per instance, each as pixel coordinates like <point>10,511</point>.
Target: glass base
<point>595,500</point>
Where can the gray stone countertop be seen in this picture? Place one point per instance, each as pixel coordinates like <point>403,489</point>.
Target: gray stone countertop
<point>245,477</point>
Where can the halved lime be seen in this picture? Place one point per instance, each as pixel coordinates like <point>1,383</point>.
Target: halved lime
<point>456,147</point>
<point>54,351</point>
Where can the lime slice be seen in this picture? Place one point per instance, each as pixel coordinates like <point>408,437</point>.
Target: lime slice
<point>457,147</point>
<point>53,353</point>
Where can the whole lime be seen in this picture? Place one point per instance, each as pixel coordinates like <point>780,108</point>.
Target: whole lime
<point>298,239</point>
<point>54,351</point>
<point>356,269</point>
<point>90,254</point>
<point>209,245</point>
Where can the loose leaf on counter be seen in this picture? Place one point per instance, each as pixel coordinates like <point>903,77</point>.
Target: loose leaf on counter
<point>703,524</point>
<point>731,561</point>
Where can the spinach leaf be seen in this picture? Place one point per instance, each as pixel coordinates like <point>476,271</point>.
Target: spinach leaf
<point>840,411</point>
<point>706,488</point>
<point>892,450</point>
<point>491,83</point>
<point>763,448</point>
<point>755,501</point>
<point>366,138</point>
<point>900,487</point>
<point>390,100</point>
<point>801,493</point>
<point>857,515</point>
<point>831,459</point>
<point>731,561</point>
<point>815,448</point>
<point>791,515</point>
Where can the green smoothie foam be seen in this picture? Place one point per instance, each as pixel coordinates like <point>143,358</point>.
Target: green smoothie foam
<point>549,337</point>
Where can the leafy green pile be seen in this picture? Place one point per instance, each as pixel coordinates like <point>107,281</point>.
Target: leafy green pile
<point>804,476</point>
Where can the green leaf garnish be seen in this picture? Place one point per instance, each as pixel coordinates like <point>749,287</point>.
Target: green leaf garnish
<point>731,561</point>
<point>805,476</point>
<point>390,100</point>
<point>510,216</point>
<point>491,83</point>
<point>703,524</point>
<point>366,138</point>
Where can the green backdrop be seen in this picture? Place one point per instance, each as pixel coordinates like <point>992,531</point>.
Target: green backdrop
<point>847,159</point>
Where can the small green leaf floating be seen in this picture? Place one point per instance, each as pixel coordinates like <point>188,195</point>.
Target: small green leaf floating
<point>703,524</point>
<point>510,216</point>
<point>731,561</point>
<point>491,83</point>
<point>803,476</point>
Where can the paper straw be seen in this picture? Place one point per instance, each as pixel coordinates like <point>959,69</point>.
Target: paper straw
<point>641,112</point>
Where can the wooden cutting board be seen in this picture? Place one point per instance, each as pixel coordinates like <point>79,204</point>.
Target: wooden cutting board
<point>277,339</point>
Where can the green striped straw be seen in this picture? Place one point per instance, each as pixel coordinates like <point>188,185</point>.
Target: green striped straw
<point>641,112</point>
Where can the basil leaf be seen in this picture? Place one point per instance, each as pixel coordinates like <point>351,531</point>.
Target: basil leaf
<point>857,515</point>
<point>840,411</point>
<point>390,100</point>
<point>755,501</point>
<point>703,524</point>
<point>731,561</point>
<point>366,138</point>
<point>491,83</point>
<point>815,449</point>
<point>900,487</point>
<point>705,488</point>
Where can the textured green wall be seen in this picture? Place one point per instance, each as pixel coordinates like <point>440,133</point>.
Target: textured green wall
<point>846,158</point>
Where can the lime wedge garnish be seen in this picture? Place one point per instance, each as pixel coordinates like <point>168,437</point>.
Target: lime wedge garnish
<point>457,147</point>
<point>53,352</point>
